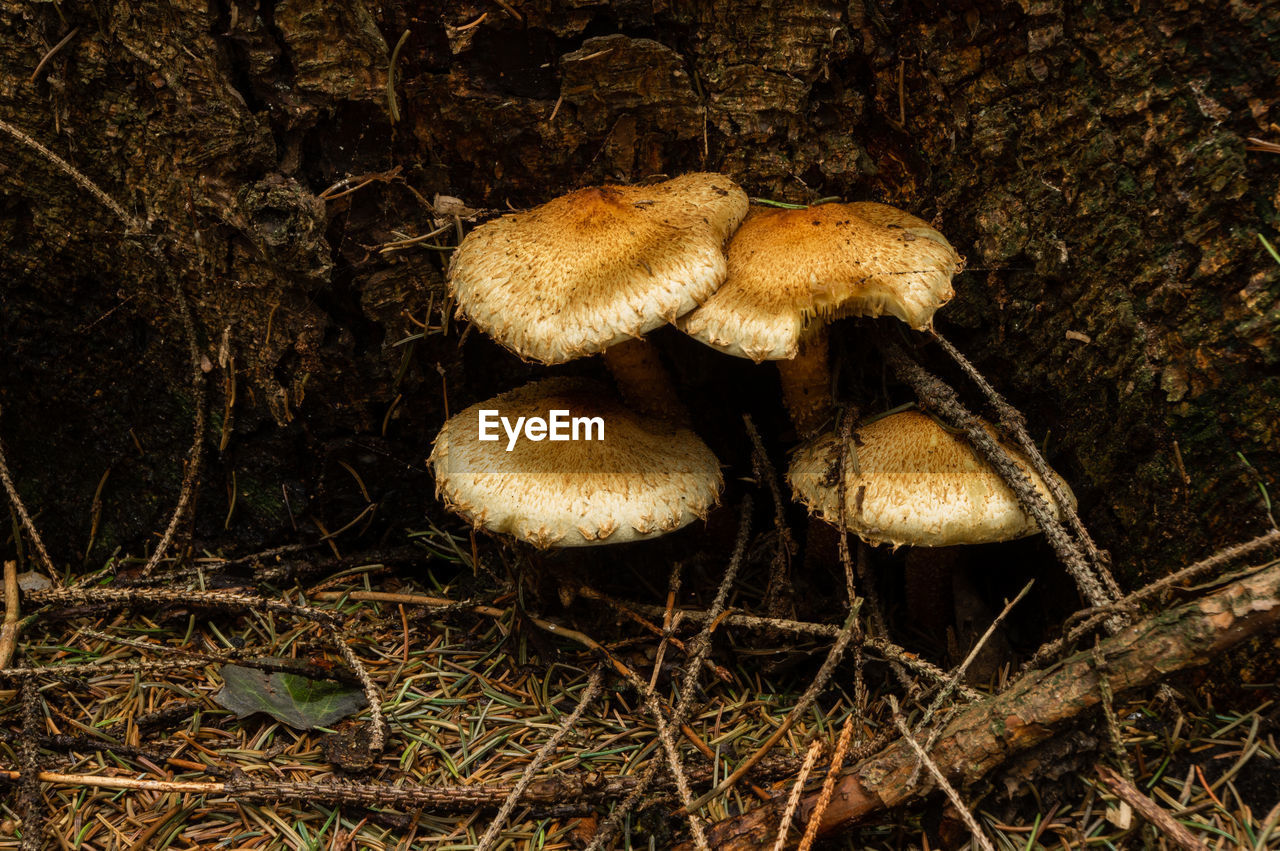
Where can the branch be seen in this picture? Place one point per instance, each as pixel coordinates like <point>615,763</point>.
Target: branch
<point>984,735</point>
<point>1150,810</point>
<point>942,400</point>
<point>9,631</point>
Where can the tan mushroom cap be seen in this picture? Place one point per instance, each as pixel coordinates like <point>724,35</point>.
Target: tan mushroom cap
<point>919,485</point>
<point>644,479</point>
<point>792,269</point>
<point>597,266</point>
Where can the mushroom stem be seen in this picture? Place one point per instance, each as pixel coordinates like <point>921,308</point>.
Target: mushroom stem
<point>643,381</point>
<point>806,384</point>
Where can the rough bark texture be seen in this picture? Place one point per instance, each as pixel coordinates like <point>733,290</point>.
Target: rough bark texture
<point>1088,158</point>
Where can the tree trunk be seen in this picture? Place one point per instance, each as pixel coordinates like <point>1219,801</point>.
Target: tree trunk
<point>1088,158</point>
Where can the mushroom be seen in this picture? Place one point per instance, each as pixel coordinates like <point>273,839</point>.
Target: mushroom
<point>633,478</point>
<point>595,270</point>
<point>915,483</point>
<point>793,271</point>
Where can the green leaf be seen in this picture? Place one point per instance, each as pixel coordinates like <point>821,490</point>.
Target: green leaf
<point>301,702</point>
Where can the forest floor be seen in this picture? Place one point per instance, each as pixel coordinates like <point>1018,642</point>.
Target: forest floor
<point>129,678</point>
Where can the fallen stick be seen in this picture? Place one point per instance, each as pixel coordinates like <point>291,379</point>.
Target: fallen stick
<point>9,631</point>
<point>1150,810</point>
<point>942,400</point>
<point>984,735</point>
<point>582,791</point>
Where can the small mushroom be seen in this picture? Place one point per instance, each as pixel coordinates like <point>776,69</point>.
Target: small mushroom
<point>793,271</point>
<point>914,483</point>
<point>596,269</point>
<point>633,478</point>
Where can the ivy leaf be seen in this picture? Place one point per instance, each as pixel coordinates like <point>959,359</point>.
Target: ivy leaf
<point>301,702</point>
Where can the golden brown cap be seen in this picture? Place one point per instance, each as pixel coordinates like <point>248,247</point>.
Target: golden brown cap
<point>596,266</point>
<point>918,485</point>
<point>791,269</point>
<point>644,479</point>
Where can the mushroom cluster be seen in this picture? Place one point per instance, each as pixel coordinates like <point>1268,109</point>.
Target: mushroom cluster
<point>597,269</point>
<point>590,272</point>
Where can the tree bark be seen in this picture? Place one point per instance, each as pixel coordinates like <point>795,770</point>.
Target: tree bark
<point>1088,157</point>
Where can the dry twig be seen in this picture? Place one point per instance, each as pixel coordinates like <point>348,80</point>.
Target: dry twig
<point>224,600</point>
<point>701,646</point>
<point>802,706</point>
<point>778,592</point>
<point>828,784</point>
<point>943,401</point>
<point>1015,425</point>
<point>9,631</point>
<point>958,673</point>
<point>1150,810</point>
<point>16,501</point>
<point>793,799</point>
<point>133,227</point>
<point>956,801</point>
<point>28,754</point>
<point>970,746</point>
<point>1094,617</point>
<point>591,692</point>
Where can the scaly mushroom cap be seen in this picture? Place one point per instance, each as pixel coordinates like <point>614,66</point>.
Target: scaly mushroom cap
<point>592,268</point>
<point>790,270</point>
<point>919,485</point>
<point>644,479</point>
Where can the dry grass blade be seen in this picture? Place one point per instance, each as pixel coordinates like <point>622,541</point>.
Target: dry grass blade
<point>50,53</point>
<point>1256,144</point>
